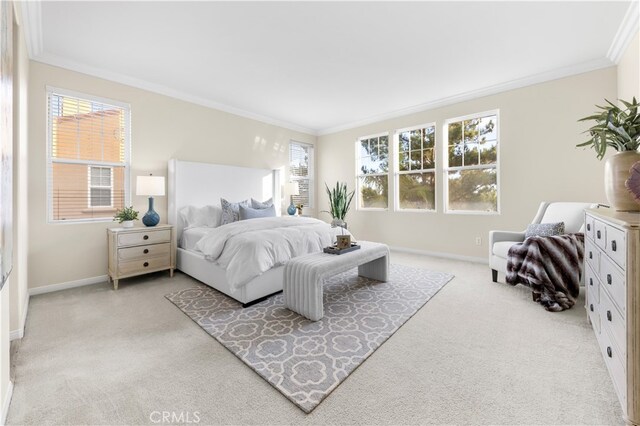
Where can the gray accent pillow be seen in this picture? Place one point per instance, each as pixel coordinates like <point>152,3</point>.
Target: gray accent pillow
<point>231,211</point>
<point>255,204</point>
<point>544,229</point>
<point>249,213</point>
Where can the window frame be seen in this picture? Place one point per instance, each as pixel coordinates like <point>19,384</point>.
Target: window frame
<point>52,90</point>
<point>310,170</point>
<point>446,169</point>
<point>359,174</point>
<point>398,172</point>
<point>90,186</point>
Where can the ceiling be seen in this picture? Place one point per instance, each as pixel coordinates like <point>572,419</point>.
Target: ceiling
<point>320,67</point>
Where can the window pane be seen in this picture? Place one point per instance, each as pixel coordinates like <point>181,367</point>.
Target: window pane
<point>473,190</point>
<point>417,191</point>
<point>373,146</point>
<point>416,160</point>
<point>100,197</point>
<point>383,149</point>
<point>369,165</point>
<point>429,137</point>
<point>487,128</point>
<point>364,148</point>
<point>374,192</point>
<point>303,188</point>
<point>299,160</point>
<point>403,142</point>
<point>416,139</point>
<point>428,159</point>
<point>471,130</point>
<point>470,154</point>
<point>455,133</point>
<point>404,161</point>
<point>489,152</point>
<point>455,154</point>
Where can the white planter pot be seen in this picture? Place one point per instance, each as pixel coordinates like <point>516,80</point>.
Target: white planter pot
<point>127,224</point>
<point>616,172</point>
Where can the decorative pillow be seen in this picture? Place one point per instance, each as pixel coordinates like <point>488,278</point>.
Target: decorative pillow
<point>544,229</point>
<point>249,213</point>
<point>201,216</point>
<point>231,211</point>
<point>255,204</point>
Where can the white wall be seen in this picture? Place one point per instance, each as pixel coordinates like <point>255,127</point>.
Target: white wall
<point>628,71</point>
<point>162,128</point>
<point>538,162</point>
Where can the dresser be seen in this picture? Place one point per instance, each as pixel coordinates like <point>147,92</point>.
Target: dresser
<point>612,283</point>
<point>140,250</point>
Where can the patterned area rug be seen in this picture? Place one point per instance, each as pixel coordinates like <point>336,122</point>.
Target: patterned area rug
<point>306,360</point>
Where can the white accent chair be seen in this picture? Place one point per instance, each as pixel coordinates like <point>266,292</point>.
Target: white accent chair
<point>572,214</point>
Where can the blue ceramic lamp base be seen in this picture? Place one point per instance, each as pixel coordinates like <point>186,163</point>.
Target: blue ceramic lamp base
<point>151,218</point>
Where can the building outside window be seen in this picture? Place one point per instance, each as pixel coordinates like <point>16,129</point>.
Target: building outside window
<point>87,156</point>
<point>471,164</point>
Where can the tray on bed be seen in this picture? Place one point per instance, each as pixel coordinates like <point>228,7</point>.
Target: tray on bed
<point>336,250</point>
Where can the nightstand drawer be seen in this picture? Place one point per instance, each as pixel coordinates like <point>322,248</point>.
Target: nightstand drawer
<point>143,265</point>
<point>614,323</point>
<point>592,255</point>
<point>144,252</point>
<point>148,237</point>
<point>589,230</point>
<point>614,282</point>
<point>617,246</point>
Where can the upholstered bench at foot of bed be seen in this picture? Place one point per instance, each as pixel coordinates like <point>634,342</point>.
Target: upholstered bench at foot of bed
<point>304,276</point>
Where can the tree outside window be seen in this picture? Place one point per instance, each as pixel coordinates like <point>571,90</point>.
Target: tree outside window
<point>416,176</point>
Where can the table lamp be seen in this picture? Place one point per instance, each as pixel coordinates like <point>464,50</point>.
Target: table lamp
<point>150,185</point>
<point>292,189</point>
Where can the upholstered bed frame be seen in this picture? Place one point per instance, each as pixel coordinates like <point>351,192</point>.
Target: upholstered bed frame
<point>201,184</point>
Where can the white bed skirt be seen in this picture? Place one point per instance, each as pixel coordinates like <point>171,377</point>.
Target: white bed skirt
<point>195,265</point>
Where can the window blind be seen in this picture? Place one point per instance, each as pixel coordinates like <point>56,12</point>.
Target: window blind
<point>88,156</point>
<point>301,171</point>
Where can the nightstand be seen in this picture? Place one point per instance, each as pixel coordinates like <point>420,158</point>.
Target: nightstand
<point>140,250</point>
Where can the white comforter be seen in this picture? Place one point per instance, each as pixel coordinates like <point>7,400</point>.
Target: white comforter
<point>248,248</point>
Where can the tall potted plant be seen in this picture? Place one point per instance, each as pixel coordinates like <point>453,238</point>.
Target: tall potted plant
<point>619,129</point>
<point>339,203</point>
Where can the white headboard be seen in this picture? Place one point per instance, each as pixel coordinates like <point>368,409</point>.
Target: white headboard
<point>202,184</point>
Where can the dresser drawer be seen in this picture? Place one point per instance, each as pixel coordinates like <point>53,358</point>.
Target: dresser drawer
<point>149,237</point>
<point>615,365</point>
<point>588,227</point>
<point>592,283</point>
<point>593,309</point>
<point>613,281</point>
<point>592,255</point>
<point>614,323</point>
<point>143,265</point>
<point>600,232</point>
<point>142,252</point>
<point>616,246</point>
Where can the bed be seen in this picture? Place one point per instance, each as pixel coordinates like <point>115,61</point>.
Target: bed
<point>201,184</point>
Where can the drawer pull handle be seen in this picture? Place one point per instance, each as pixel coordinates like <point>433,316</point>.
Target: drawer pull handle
<point>598,234</point>
<point>609,279</point>
<point>609,315</point>
<point>590,281</point>
<point>614,246</point>
<point>146,251</point>
<point>146,237</point>
<point>591,307</point>
<point>590,255</point>
<point>145,264</point>
<point>588,227</point>
<point>609,351</point>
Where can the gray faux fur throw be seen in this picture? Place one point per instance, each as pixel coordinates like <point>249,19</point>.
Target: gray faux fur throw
<point>551,266</point>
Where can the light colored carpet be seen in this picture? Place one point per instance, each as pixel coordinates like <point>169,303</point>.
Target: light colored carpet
<point>478,353</point>
<point>303,359</point>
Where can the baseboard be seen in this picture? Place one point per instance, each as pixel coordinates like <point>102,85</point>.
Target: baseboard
<point>69,284</point>
<point>440,254</point>
<point>7,402</point>
<point>19,334</point>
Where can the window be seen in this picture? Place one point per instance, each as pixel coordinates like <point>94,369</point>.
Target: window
<point>87,157</point>
<point>416,176</point>
<point>471,157</point>
<point>100,186</point>
<point>373,170</point>
<point>301,171</point>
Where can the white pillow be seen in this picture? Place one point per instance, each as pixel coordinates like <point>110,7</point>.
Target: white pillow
<point>201,216</point>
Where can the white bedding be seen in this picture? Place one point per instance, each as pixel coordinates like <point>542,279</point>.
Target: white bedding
<point>248,248</point>
<point>191,236</point>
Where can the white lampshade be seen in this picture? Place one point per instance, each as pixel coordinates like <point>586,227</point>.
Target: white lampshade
<point>150,185</point>
<point>293,189</point>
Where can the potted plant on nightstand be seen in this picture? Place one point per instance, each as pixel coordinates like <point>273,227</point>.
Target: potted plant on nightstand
<point>126,216</point>
<point>339,203</point>
<point>619,129</point>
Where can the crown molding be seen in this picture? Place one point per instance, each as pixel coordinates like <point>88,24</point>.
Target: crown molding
<point>627,29</point>
<point>478,93</point>
<point>31,12</point>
